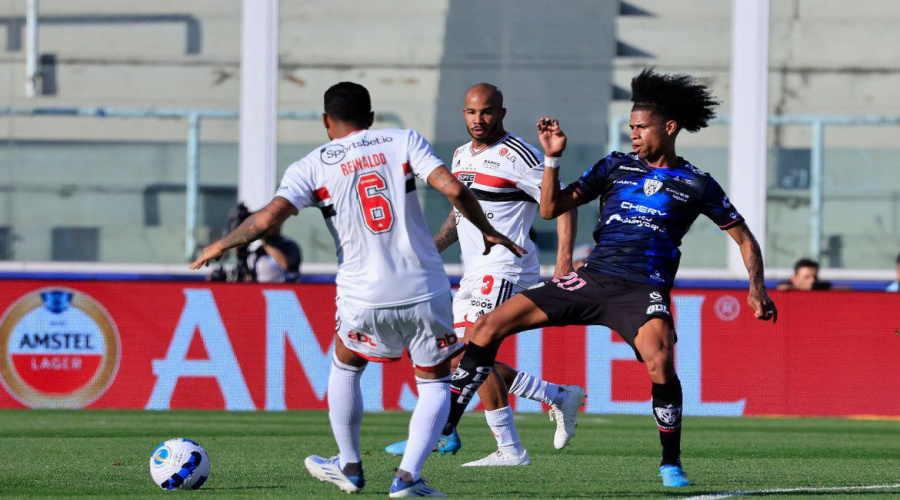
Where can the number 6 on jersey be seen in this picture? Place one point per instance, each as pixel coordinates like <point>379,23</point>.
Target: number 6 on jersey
<point>376,206</point>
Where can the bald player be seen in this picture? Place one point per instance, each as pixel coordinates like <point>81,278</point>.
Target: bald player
<point>504,172</point>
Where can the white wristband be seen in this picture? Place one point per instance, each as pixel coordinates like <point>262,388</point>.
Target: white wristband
<point>551,161</point>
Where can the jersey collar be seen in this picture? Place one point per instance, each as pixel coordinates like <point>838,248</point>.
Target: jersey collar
<point>474,153</point>
<point>351,133</point>
<point>680,163</point>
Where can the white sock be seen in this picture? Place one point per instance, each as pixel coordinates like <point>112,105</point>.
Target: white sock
<point>427,421</point>
<point>345,409</point>
<point>504,429</point>
<point>535,389</point>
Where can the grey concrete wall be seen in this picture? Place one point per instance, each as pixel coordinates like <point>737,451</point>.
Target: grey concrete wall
<point>573,59</point>
<point>827,57</point>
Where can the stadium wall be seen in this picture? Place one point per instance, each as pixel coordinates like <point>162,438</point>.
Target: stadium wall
<point>161,346</point>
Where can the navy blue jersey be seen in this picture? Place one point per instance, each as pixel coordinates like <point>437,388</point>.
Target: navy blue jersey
<point>645,212</point>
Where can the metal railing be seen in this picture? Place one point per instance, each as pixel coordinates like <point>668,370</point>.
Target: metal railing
<point>193,117</point>
<point>817,159</point>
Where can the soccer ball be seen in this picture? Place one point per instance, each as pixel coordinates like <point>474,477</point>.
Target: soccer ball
<point>179,464</point>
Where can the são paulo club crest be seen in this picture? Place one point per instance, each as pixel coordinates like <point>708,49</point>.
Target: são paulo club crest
<point>59,348</point>
<point>651,186</point>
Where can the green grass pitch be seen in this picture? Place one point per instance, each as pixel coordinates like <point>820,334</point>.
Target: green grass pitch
<point>106,453</point>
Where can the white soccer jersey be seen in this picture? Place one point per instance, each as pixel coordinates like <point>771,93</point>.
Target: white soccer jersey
<point>506,179</point>
<point>364,185</point>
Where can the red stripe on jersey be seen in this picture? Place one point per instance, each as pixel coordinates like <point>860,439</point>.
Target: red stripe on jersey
<point>321,194</point>
<point>406,169</point>
<point>490,180</point>
<point>732,223</point>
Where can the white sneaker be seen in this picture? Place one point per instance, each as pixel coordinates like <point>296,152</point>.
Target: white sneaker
<point>501,458</point>
<point>329,470</point>
<point>565,415</point>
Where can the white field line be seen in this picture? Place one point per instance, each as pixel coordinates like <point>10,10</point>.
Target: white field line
<point>716,496</point>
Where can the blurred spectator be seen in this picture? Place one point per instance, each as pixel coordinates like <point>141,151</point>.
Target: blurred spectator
<point>895,286</point>
<point>580,255</point>
<point>270,259</point>
<point>806,277</point>
<point>240,272</point>
<point>274,258</point>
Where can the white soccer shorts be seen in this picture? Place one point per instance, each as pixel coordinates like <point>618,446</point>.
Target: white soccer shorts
<point>480,294</point>
<point>380,334</point>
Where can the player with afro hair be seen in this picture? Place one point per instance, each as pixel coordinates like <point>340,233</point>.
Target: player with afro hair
<point>648,200</point>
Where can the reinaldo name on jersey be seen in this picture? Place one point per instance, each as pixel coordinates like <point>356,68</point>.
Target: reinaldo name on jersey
<point>364,184</point>
<point>363,163</point>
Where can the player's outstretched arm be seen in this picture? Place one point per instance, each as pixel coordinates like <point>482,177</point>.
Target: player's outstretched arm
<point>566,229</point>
<point>554,202</point>
<point>276,212</point>
<point>447,235</point>
<point>763,306</point>
<point>464,201</point>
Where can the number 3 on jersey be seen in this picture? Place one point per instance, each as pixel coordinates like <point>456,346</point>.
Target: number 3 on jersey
<point>376,206</point>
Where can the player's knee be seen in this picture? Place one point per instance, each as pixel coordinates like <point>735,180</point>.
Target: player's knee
<point>441,370</point>
<point>487,331</point>
<point>660,365</point>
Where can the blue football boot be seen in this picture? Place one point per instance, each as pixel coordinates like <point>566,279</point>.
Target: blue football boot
<point>673,476</point>
<point>446,444</point>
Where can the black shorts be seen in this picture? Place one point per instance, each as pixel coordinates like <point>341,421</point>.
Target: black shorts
<point>586,297</point>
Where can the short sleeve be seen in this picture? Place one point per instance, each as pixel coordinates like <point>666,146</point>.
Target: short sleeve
<point>298,186</point>
<point>528,179</point>
<point>718,207</point>
<point>422,159</point>
<point>592,183</point>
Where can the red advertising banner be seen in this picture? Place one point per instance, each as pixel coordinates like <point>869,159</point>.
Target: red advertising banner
<point>268,347</point>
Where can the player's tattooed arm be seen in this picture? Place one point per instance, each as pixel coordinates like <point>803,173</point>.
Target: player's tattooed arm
<point>254,226</point>
<point>447,235</point>
<point>441,179</point>
<point>758,299</point>
<point>248,231</point>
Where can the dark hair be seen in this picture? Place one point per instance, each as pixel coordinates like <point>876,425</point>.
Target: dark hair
<point>676,97</point>
<point>348,102</point>
<point>805,263</point>
<point>898,259</point>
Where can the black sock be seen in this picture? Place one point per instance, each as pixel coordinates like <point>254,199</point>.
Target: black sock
<point>353,468</point>
<point>667,401</point>
<point>473,370</point>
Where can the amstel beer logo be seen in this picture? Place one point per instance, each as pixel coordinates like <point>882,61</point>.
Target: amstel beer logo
<point>58,349</point>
